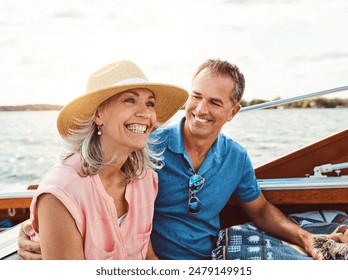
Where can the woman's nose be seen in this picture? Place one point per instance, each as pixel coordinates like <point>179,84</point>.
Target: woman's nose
<point>143,111</point>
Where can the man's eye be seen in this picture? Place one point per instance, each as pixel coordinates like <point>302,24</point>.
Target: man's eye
<point>216,103</point>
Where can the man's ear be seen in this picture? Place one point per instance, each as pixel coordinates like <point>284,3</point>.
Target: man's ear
<point>234,111</point>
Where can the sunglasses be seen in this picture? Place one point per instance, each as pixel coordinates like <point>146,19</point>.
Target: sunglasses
<point>195,185</point>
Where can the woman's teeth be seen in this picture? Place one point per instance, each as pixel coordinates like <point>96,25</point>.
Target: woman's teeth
<point>137,128</point>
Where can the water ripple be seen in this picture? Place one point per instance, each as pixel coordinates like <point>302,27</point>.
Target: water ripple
<point>30,143</point>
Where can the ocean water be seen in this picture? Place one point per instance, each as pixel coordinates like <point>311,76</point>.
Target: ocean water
<point>30,143</point>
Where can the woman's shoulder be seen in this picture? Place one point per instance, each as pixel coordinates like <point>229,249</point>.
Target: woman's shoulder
<point>149,179</point>
<point>149,174</point>
<point>64,173</point>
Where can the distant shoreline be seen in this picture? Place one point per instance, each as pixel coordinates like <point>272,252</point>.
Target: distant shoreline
<point>304,104</point>
<point>31,107</point>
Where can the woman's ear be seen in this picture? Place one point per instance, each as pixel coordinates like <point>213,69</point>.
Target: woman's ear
<point>97,118</point>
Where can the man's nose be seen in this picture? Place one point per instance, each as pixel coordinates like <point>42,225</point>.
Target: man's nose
<point>202,107</point>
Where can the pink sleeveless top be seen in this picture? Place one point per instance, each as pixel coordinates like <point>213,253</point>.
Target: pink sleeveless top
<point>95,214</point>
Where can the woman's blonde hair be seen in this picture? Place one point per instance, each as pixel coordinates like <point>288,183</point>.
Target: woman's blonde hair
<point>85,141</point>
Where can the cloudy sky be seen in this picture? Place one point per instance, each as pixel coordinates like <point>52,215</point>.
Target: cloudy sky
<point>285,48</point>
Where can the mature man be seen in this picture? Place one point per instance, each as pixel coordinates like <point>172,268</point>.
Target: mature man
<point>203,168</point>
<point>186,219</point>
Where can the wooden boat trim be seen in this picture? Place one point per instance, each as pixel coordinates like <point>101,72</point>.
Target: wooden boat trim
<point>277,191</point>
<point>304,196</point>
<point>290,201</point>
<point>308,196</point>
<point>300,163</point>
<point>19,202</point>
<point>17,198</point>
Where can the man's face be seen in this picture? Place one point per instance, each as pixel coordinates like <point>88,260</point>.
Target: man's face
<point>209,105</point>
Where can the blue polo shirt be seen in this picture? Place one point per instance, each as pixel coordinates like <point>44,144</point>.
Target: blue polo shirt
<point>227,169</point>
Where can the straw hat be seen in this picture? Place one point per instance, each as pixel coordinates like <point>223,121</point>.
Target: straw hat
<point>111,80</point>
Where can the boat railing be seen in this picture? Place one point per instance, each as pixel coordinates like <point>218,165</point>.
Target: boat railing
<point>318,170</point>
<point>292,99</point>
<point>318,183</point>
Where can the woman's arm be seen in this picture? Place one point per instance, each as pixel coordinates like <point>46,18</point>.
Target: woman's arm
<point>59,237</point>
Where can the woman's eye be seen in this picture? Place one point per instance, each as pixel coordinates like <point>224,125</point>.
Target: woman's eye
<point>130,100</point>
<point>150,104</point>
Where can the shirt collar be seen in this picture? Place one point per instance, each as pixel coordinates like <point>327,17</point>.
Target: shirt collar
<point>176,141</point>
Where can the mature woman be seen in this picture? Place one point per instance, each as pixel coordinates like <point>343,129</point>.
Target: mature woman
<point>98,202</point>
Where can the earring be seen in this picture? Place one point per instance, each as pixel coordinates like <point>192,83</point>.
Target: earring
<point>99,131</point>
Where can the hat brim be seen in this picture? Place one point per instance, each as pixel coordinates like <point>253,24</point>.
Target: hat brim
<point>169,99</point>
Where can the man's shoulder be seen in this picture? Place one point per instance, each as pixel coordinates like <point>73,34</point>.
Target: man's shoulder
<point>163,131</point>
<point>228,143</point>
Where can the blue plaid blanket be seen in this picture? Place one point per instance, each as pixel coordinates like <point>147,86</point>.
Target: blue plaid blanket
<point>247,242</point>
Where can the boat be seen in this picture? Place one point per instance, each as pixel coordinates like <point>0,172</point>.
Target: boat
<point>14,205</point>
<point>314,177</point>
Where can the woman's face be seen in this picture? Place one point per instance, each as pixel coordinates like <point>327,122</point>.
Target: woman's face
<point>126,121</point>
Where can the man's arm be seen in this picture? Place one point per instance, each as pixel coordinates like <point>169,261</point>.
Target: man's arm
<point>150,253</point>
<point>28,249</point>
<point>270,219</point>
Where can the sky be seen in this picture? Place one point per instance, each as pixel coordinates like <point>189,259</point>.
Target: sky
<point>285,48</point>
